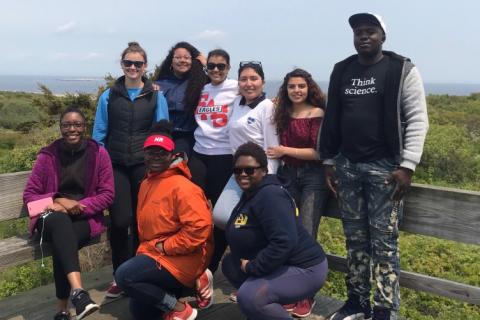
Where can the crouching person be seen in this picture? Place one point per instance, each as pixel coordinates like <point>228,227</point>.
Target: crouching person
<point>175,232</point>
<point>274,263</point>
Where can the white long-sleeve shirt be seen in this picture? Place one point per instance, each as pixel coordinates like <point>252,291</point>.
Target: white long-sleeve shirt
<point>255,125</point>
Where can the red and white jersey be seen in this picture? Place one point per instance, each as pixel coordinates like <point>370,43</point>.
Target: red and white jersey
<point>212,115</point>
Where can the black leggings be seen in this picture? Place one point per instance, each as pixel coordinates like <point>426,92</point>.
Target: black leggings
<point>123,212</point>
<point>211,173</point>
<point>66,235</point>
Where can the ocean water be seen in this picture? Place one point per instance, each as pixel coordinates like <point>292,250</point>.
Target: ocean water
<point>62,84</point>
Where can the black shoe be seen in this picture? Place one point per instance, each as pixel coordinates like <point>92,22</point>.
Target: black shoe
<point>353,309</point>
<point>62,315</point>
<point>83,304</point>
<point>380,313</point>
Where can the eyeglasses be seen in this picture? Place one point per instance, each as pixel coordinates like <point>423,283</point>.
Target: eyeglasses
<point>76,125</point>
<point>156,153</point>
<point>182,57</point>
<point>129,63</point>
<point>250,63</point>
<point>248,170</point>
<point>219,66</point>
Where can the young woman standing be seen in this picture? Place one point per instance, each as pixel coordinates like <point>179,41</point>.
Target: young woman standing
<point>125,114</point>
<point>298,116</point>
<point>181,79</point>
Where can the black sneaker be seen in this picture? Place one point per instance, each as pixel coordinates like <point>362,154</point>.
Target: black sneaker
<point>83,304</point>
<point>353,309</point>
<point>62,315</point>
<point>380,313</point>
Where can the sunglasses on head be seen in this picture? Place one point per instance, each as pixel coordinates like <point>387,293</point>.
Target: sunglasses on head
<point>129,63</point>
<point>250,63</point>
<point>219,66</point>
<point>248,170</point>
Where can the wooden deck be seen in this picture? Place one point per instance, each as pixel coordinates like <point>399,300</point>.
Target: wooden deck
<point>39,303</point>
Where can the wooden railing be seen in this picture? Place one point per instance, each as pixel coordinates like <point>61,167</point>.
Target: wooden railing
<point>444,213</point>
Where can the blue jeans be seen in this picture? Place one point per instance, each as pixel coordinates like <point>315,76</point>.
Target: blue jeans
<point>307,186</point>
<point>151,288</point>
<point>261,298</point>
<point>370,222</point>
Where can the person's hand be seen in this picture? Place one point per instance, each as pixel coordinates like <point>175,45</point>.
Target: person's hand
<point>243,265</point>
<point>275,152</point>
<point>331,179</point>
<point>155,87</point>
<point>73,207</point>
<point>402,177</point>
<point>202,59</point>
<point>56,207</point>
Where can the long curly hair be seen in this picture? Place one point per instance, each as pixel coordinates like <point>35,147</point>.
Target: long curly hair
<point>284,105</point>
<point>196,75</point>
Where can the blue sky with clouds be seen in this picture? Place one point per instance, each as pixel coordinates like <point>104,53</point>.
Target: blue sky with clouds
<point>86,37</point>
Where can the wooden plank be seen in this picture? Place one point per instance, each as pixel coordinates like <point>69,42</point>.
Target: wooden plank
<point>445,213</point>
<point>419,282</point>
<point>11,191</point>
<point>39,303</point>
<point>20,249</point>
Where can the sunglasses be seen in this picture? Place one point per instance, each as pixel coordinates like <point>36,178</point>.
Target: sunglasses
<point>250,63</point>
<point>76,125</point>
<point>248,170</point>
<point>219,66</point>
<point>129,63</point>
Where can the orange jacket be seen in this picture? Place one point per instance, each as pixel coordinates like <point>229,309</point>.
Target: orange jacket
<point>173,210</point>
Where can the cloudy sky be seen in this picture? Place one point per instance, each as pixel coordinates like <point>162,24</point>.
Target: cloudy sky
<point>86,37</point>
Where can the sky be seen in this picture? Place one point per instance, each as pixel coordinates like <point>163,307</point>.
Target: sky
<point>85,37</point>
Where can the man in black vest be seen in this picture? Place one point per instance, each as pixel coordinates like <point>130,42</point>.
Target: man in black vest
<point>373,133</point>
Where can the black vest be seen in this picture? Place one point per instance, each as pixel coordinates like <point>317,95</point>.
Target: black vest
<point>129,122</point>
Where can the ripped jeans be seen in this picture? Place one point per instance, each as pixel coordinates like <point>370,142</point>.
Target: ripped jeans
<point>370,222</point>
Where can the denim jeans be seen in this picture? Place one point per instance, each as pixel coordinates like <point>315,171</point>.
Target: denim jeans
<point>307,186</point>
<point>370,222</point>
<point>151,288</point>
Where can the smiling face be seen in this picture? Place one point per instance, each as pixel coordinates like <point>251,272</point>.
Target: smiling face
<point>181,62</point>
<point>297,90</point>
<point>216,75</point>
<point>157,159</point>
<point>248,173</point>
<point>132,72</point>
<point>368,40</point>
<point>72,128</point>
<point>250,84</point>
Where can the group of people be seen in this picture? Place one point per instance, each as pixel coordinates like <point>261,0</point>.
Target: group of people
<point>194,162</point>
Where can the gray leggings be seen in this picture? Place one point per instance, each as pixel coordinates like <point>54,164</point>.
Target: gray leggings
<point>263,297</point>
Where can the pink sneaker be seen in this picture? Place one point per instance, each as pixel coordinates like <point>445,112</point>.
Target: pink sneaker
<point>204,294</point>
<point>289,307</point>
<point>188,313</point>
<point>303,308</point>
<point>113,291</point>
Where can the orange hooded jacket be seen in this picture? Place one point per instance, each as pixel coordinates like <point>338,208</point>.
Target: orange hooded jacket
<point>173,210</point>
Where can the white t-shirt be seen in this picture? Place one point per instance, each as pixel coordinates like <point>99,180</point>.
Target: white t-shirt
<point>212,115</point>
<point>255,125</point>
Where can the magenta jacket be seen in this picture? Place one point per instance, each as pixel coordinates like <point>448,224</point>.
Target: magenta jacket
<point>99,187</point>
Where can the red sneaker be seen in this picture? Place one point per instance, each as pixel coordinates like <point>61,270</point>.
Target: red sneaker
<point>289,307</point>
<point>204,294</point>
<point>303,308</point>
<point>188,313</point>
<point>113,291</point>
